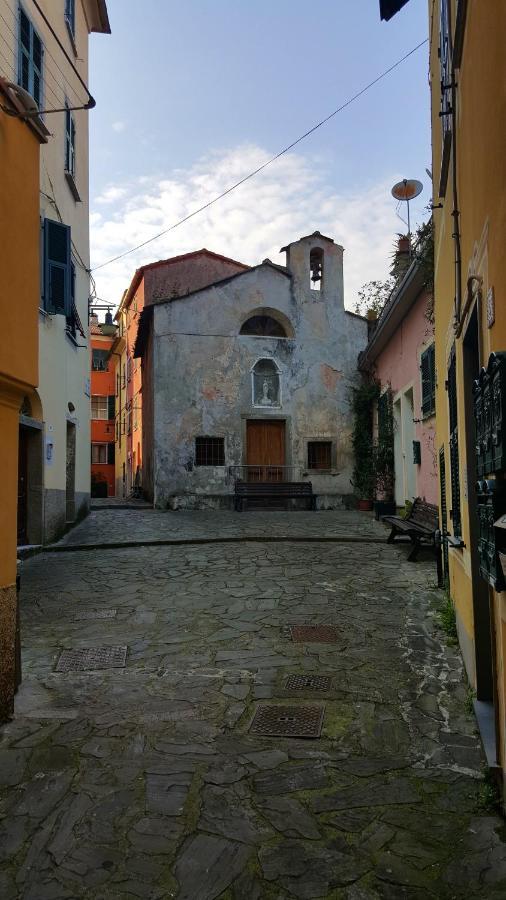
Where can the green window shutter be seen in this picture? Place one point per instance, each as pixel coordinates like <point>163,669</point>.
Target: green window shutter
<point>111,401</point>
<point>57,268</point>
<point>30,55</point>
<point>110,454</point>
<point>428,370</point>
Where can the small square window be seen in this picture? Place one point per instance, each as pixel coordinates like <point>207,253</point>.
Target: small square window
<point>209,451</point>
<point>319,454</point>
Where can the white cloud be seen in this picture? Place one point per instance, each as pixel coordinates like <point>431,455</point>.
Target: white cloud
<point>291,198</point>
<point>118,126</point>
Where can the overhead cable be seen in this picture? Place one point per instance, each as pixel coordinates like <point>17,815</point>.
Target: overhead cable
<point>265,164</point>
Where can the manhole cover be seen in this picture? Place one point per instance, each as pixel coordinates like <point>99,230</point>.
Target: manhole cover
<point>308,683</point>
<point>315,634</point>
<point>288,721</point>
<point>91,658</point>
<point>85,614</point>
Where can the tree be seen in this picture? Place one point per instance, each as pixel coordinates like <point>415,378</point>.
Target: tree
<point>373,296</point>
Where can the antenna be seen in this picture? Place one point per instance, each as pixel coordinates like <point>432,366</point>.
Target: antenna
<point>407,190</point>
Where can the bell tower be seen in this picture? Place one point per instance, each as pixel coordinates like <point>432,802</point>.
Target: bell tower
<point>316,265</point>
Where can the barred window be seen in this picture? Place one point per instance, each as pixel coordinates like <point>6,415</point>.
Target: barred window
<point>209,451</point>
<point>319,454</point>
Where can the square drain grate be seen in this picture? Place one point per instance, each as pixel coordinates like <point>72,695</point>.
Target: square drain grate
<point>84,615</point>
<point>314,634</point>
<point>91,658</point>
<point>308,683</point>
<point>288,721</point>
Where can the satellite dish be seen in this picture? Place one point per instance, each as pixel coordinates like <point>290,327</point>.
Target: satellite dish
<point>407,189</point>
<point>404,191</point>
<point>23,97</point>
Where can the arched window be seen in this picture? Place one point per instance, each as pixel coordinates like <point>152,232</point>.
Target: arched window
<point>316,269</point>
<point>263,326</point>
<point>265,383</point>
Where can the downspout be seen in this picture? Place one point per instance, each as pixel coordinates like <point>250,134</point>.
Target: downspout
<point>455,210</point>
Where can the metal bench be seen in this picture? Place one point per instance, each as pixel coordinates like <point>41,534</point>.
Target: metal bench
<point>279,490</point>
<point>420,527</point>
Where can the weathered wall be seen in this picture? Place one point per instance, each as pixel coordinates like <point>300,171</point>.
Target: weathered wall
<point>203,368</point>
<point>399,365</point>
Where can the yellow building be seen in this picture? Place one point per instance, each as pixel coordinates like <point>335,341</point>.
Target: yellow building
<point>467,78</point>
<point>19,239</point>
<point>45,50</point>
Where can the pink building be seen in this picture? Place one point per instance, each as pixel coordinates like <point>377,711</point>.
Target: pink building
<point>400,354</point>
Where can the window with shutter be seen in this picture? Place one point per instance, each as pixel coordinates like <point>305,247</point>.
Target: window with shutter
<point>99,454</point>
<point>57,268</point>
<point>30,56</point>
<point>70,142</point>
<point>428,371</point>
<point>111,400</point>
<point>99,408</point>
<point>110,454</point>
<point>454,446</point>
<point>99,360</point>
<point>70,16</point>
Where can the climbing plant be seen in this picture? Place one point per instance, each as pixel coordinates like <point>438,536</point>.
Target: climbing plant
<point>364,398</point>
<point>384,448</point>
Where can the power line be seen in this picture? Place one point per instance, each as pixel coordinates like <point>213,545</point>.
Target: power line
<point>265,164</point>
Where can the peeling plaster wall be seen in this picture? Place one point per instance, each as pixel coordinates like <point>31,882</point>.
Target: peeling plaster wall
<point>202,374</point>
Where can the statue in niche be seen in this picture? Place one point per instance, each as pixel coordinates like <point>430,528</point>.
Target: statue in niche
<point>265,384</point>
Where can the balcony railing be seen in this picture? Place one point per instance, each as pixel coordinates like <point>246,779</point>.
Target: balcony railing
<point>266,473</point>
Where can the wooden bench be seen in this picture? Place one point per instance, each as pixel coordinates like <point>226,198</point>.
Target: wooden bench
<point>420,526</point>
<point>278,490</point>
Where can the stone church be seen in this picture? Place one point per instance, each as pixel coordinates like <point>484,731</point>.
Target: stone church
<point>250,378</point>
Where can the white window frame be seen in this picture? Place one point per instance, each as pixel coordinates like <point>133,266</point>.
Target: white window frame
<point>101,408</point>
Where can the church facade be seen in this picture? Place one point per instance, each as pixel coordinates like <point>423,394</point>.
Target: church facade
<point>251,378</point>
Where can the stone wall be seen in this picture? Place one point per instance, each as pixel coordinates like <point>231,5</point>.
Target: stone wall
<point>203,383</point>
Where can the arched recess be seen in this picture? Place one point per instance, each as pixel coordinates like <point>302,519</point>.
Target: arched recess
<point>316,269</point>
<point>266,383</point>
<point>267,322</point>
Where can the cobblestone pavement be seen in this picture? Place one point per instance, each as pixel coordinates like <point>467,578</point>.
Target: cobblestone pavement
<point>145,781</point>
<point>111,526</point>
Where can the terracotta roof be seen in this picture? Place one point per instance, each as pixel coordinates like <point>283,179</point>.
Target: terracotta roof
<point>139,273</point>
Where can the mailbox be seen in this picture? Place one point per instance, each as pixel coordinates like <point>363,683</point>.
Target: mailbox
<point>491,505</point>
<point>489,397</point>
<point>497,375</point>
<point>500,543</point>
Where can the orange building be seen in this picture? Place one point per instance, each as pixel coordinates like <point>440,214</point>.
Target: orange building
<point>103,406</point>
<point>161,280</point>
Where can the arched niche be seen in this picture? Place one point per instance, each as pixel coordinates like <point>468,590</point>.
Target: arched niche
<point>316,269</point>
<point>265,384</point>
<point>267,322</point>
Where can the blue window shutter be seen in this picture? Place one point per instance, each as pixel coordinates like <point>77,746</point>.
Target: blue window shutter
<point>30,54</point>
<point>57,268</point>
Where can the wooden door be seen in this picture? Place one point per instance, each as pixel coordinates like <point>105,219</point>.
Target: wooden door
<point>265,449</point>
<point>22,487</point>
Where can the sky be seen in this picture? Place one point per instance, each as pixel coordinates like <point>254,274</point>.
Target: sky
<point>193,96</point>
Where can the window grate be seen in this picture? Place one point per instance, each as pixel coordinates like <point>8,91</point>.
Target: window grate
<point>209,451</point>
<point>319,454</point>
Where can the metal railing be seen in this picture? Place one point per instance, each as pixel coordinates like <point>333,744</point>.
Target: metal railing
<point>266,473</point>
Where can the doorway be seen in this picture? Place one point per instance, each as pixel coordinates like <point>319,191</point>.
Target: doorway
<point>70,483</point>
<point>22,488</point>
<point>408,434</point>
<point>265,449</point>
<point>400,497</point>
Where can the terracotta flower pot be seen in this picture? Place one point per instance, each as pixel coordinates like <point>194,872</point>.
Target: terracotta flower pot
<point>365,505</point>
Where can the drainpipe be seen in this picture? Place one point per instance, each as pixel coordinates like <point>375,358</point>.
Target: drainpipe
<point>455,210</point>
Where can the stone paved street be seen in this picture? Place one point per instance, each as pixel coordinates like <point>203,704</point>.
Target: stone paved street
<point>145,781</point>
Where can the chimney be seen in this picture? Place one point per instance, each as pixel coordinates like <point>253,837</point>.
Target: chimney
<point>401,258</point>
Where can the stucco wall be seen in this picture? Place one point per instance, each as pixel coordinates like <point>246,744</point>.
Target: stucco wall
<point>399,365</point>
<point>202,374</point>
